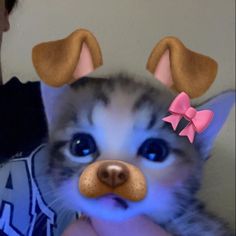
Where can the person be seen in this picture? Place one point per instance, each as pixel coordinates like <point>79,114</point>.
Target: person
<point>27,204</point>
<point>6,7</point>
<point>22,123</point>
<point>23,210</point>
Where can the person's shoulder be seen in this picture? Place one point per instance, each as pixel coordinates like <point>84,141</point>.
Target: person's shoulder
<point>22,121</point>
<point>16,92</point>
<point>15,84</point>
<point>21,155</point>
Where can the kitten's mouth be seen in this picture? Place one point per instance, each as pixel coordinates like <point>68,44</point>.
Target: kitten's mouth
<point>114,200</point>
<point>121,202</point>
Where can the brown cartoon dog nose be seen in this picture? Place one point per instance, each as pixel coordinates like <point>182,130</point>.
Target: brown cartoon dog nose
<point>113,173</point>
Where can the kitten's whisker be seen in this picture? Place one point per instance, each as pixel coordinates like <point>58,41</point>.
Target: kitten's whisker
<point>50,205</point>
<point>40,216</point>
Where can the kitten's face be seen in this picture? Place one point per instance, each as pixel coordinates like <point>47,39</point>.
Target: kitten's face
<point>120,119</point>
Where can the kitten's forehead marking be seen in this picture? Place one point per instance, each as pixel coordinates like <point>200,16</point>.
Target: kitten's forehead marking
<point>113,123</point>
<point>100,98</point>
<point>144,108</point>
<point>126,102</point>
<point>123,106</point>
<point>118,109</point>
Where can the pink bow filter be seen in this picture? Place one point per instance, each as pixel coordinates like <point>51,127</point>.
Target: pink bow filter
<point>181,108</point>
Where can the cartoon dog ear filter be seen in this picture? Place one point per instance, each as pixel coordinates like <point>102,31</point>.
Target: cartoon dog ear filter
<point>184,71</point>
<point>181,69</point>
<point>64,61</point>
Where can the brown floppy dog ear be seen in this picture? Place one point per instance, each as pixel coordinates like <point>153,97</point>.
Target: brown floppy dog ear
<point>64,61</point>
<point>180,68</point>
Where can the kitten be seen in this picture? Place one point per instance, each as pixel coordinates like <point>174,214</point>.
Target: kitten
<point>121,119</point>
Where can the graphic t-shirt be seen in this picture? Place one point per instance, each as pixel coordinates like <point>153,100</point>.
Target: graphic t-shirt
<point>27,204</point>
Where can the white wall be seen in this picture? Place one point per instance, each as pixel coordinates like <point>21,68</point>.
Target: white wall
<point>127,31</point>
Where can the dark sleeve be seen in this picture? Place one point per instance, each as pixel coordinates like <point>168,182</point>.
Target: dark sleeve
<point>22,120</point>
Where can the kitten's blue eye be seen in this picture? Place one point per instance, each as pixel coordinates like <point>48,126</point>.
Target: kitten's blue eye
<point>154,149</point>
<point>82,145</point>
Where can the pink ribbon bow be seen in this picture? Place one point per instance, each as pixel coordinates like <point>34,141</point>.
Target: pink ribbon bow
<point>181,108</point>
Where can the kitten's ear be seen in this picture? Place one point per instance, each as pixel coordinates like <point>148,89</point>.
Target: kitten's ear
<point>180,68</point>
<point>221,105</point>
<point>51,96</point>
<point>64,61</point>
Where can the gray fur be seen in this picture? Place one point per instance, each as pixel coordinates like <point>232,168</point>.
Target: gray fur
<point>78,103</point>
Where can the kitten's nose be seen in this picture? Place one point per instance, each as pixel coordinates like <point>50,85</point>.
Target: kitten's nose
<point>113,173</point>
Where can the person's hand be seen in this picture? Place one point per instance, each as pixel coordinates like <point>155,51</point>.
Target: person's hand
<point>138,226</point>
<point>80,228</point>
